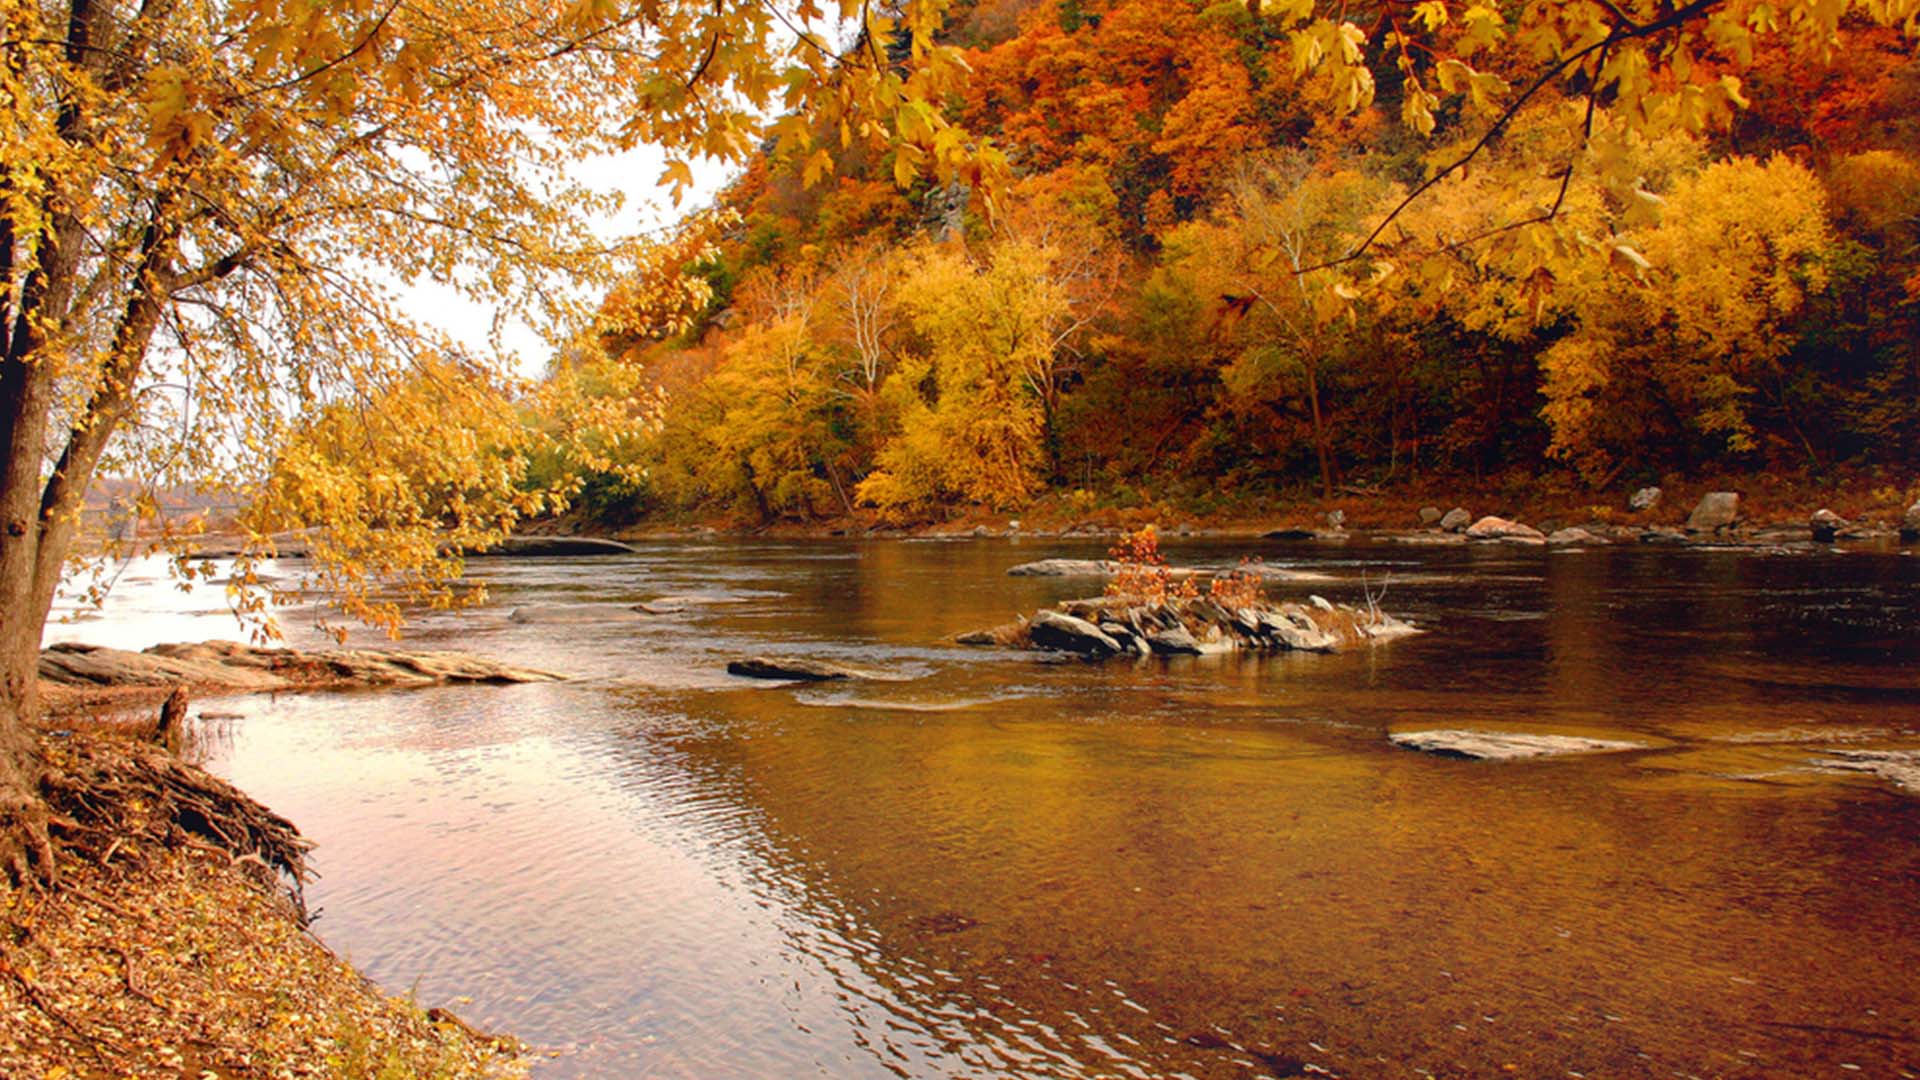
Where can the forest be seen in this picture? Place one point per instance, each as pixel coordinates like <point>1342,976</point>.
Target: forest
<point>1201,268</point>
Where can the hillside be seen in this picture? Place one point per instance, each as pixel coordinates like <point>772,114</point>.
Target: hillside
<point>1162,297</point>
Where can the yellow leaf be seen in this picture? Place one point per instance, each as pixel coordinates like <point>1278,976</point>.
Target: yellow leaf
<point>819,166</point>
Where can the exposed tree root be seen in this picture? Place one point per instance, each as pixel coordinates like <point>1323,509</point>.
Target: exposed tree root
<point>106,796</point>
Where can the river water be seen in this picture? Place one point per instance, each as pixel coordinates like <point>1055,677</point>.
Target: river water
<point>1205,867</point>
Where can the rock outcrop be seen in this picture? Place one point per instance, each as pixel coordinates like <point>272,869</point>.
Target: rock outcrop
<point>227,665</point>
<point>1108,626</point>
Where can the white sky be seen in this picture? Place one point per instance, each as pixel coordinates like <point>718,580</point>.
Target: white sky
<point>646,208</point>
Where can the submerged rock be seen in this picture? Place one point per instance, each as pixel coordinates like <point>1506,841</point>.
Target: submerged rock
<point>1902,767</point>
<point>1503,745</point>
<point>800,669</point>
<point>1716,510</point>
<point>230,665</point>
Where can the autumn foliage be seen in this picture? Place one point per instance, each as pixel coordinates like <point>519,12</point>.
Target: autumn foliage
<point>1232,257</point>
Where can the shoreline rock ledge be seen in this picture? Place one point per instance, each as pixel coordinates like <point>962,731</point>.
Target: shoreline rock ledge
<point>228,665</point>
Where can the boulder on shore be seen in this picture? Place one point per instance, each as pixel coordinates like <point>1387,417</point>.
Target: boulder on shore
<point>1573,536</point>
<point>1716,510</point>
<point>1910,525</point>
<point>1494,528</point>
<point>1503,745</point>
<point>799,669</point>
<point>1456,520</point>
<point>1430,516</point>
<point>1826,525</point>
<point>1644,499</point>
<point>228,665</point>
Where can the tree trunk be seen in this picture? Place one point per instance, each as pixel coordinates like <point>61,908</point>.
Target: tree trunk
<point>1319,433</point>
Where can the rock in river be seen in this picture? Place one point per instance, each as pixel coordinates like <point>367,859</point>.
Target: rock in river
<point>1065,568</point>
<point>799,669</point>
<point>1049,629</point>
<point>1088,568</point>
<point>1502,745</point>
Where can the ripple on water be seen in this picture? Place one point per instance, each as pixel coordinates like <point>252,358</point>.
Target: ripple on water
<point>1206,870</point>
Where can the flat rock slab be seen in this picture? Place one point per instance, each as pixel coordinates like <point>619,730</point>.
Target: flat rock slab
<point>1503,745</point>
<point>230,665</point>
<point>555,546</point>
<point>1902,767</point>
<point>1084,568</point>
<point>802,669</point>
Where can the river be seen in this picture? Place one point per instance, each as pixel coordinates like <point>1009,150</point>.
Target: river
<point>1205,867</point>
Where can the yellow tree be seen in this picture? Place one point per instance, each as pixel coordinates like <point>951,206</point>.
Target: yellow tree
<point>203,204</point>
<point>1691,318</point>
<point>1265,257</point>
<point>972,418</point>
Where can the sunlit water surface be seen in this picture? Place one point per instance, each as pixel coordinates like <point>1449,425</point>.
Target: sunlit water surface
<point>1210,867</point>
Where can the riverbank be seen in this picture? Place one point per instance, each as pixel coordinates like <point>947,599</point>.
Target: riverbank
<point>1771,507</point>
<point>174,941</point>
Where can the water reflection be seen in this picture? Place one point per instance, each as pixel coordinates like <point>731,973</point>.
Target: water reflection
<point>1206,867</point>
